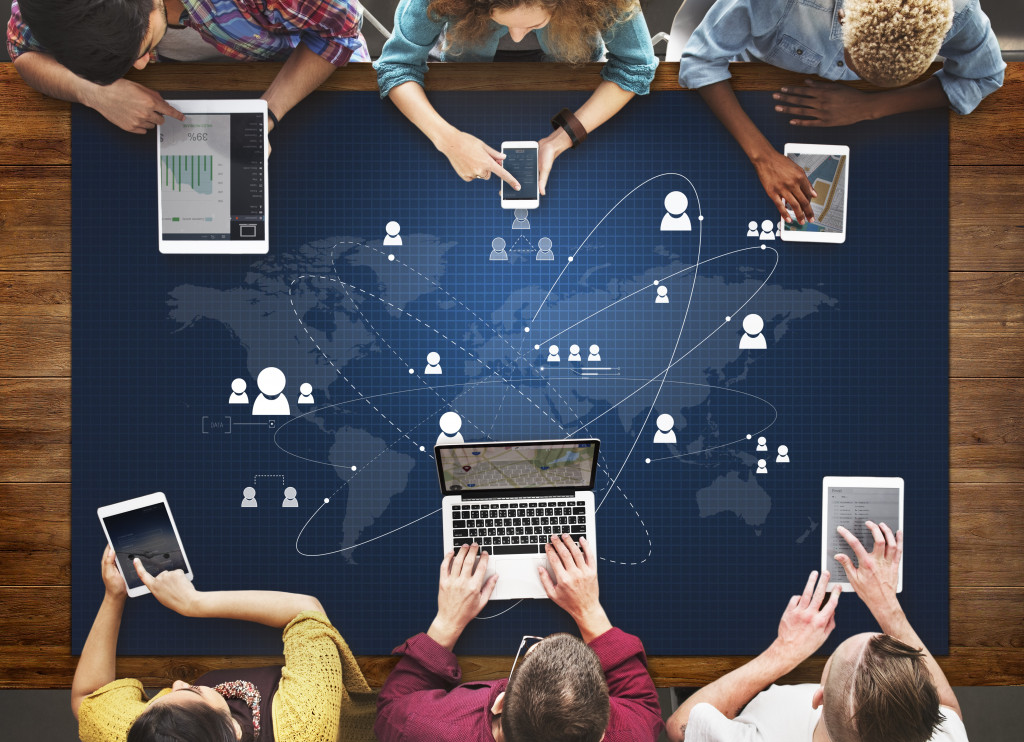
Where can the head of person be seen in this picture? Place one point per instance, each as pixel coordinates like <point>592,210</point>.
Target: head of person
<point>189,713</point>
<point>557,693</point>
<point>99,40</point>
<point>574,26</point>
<point>877,689</point>
<point>891,42</point>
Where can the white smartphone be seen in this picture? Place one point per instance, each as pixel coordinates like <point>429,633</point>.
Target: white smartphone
<point>521,162</point>
<point>143,527</point>
<point>828,169</point>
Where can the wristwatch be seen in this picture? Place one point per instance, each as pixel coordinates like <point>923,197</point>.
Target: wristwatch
<point>565,119</point>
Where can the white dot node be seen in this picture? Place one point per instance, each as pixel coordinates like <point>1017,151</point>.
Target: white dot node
<point>411,371</point>
<point>326,500</point>
<point>536,347</point>
<point>647,461</point>
<point>526,329</point>
<point>422,448</point>
<point>570,258</point>
<point>763,247</point>
<point>391,257</point>
<point>749,436</point>
<point>655,281</point>
<point>700,218</point>
<point>353,468</point>
<point>729,319</point>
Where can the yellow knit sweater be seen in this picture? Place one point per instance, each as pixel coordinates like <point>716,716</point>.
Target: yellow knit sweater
<point>322,697</point>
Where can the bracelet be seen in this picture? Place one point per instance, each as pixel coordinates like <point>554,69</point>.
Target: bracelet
<point>566,119</point>
<point>272,117</point>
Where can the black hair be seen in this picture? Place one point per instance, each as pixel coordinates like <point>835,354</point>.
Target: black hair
<point>96,39</point>
<point>196,722</point>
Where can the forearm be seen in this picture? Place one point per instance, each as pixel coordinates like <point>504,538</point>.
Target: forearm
<point>411,100</point>
<point>893,621</point>
<point>96,666</point>
<point>267,607</point>
<point>444,633</point>
<point>50,77</point>
<point>593,623</point>
<point>924,95</point>
<point>731,692</point>
<point>722,101</point>
<point>606,101</point>
<point>302,73</point>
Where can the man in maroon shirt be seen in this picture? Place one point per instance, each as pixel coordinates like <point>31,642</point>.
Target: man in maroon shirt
<point>562,689</point>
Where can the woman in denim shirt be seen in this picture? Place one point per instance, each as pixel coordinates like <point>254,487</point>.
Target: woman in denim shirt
<point>888,43</point>
<point>481,30</point>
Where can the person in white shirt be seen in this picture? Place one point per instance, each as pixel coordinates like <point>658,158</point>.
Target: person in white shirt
<point>874,687</point>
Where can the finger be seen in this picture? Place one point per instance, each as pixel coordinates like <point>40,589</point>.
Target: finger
<point>460,559</point>
<point>797,201</point>
<point>854,543</point>
<point>797,110</point>
<point>807,122</point>
<point>796,95</point>
<point>819,591</point>
<point>469,561</point>
<point>803,202</point>
<point>481,567</point>
<point>792,603</point>
<point>558,543</point>
<point>829,608</point>
<point>137,130</point>
<point>485,594</point>
<point>899,545</point>
<point>890,541</point>
<point>805,597</point>
<point>574,552</point>
<point>780,204</point>
<point>588,551</point>
<point>546,582</point>
<point>876,533</point>
<point>446,563</point>
<point>555,560</point>
<point>505,175</point>
<point>809,193</point>
<point>499,156</point>
<point>164,107</point>
<point>146,577</point>
<point>108,554</point>
<point>542,178</point>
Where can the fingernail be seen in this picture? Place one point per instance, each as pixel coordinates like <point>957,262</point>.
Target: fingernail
<point>778,108</point>
<point>785,90</point>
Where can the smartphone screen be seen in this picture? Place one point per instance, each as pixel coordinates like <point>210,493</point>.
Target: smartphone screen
<point>521,162</point>
<point>145,533</point>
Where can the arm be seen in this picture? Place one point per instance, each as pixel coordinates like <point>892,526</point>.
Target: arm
<point>267,607</point>
<point>805,625</point>
<point>99,655</point>
<point>303,73</point>
<point>124,103</point>
<point>875,579</point>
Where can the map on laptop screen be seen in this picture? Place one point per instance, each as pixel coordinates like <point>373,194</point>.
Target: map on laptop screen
<point>520,466</point>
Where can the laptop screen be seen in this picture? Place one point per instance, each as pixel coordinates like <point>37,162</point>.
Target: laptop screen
<point>522,465</point>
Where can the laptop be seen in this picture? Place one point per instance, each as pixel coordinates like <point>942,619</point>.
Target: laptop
<point>511,497</point>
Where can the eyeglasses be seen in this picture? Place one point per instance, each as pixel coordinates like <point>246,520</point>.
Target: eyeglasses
<point>533,642</point>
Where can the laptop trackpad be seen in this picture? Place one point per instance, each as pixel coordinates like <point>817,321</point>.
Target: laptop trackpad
<point>517,578</point>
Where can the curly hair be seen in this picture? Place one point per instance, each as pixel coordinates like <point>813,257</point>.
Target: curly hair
<point>574,31</point>
<point>892,42</point>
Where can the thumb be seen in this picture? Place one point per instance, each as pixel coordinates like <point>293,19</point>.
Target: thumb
<point>545,580</point>
<point>499,156</point>
<point>146,577</point>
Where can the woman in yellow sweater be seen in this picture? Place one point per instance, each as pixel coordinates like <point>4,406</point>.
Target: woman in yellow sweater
<point>319,695</point>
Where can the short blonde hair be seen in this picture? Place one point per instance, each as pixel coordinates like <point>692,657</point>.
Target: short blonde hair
<point>892,42</point>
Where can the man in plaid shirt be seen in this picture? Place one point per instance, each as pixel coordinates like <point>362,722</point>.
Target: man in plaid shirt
<point>80,51</point>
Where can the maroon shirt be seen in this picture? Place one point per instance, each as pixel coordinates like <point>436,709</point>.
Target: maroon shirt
<point>422,698</point>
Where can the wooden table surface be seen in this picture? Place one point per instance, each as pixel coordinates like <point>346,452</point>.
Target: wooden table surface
<point>986,377</point>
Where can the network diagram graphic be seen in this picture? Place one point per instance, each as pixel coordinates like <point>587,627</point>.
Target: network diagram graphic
<point>542,362</point>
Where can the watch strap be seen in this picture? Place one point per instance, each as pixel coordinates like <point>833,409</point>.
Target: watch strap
<point>566,119</point>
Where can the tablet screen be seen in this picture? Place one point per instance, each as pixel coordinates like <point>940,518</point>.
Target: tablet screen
<point>145,533</point>
<point>850,507</point>
<point>827,174</point>
<point>211,177</point>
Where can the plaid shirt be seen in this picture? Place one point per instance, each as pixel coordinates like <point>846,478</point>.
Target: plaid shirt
<point>252,30</point>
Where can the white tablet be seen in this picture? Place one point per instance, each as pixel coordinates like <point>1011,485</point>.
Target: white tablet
<point>848,502</point>
<point>212,171</point>
<point>828,169</point>
<point>143,528</point>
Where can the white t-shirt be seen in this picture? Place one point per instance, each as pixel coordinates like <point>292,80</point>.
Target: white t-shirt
<point>783,713</point>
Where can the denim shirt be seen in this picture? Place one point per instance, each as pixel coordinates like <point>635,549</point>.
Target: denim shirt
<point>805,36</point>
<point>630,55</point>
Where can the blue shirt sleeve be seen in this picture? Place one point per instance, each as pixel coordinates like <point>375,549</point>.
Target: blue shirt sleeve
<point>973,65</point>
<point>404,56</point>
<point>631,61</point>
<point>726,31</point>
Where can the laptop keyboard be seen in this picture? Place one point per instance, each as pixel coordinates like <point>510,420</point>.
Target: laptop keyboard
<point>509,527</point>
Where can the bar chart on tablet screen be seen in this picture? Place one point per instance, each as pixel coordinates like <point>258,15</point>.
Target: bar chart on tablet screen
<point>194,166</point>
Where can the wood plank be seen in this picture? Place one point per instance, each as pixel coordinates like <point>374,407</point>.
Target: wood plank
<point>35,430</point>
<point>986,217</point>
<point>35,323</point>
<point>52,666</point>
<point>40,127</point>
<point>35,217</point>
<point>36,544</point>
<point>983,551</point>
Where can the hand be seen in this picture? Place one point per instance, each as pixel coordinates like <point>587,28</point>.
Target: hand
<point>877,574</point>
<point>824,103</point>
<point>472,159</point>
<point>549,148</point>
<point>112,579</point>
<point>462,593</point>
<point>806,624</point>
<point>131,106</point>
<point>785,182</point>
<point>172,589</point>
<point>575,588</point>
